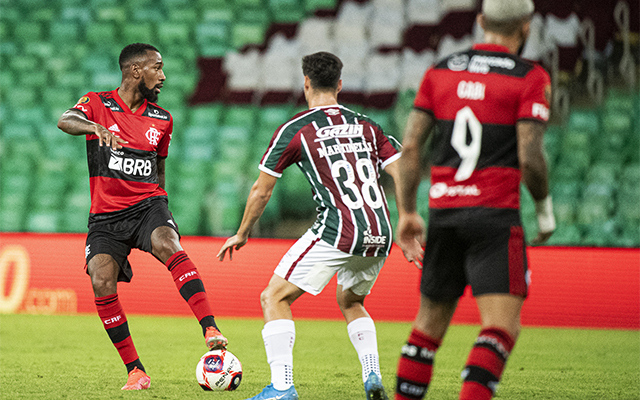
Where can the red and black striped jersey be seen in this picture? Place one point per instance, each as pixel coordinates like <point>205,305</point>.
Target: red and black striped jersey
<point>122,178</point>
<point>340,153</point>
<point>477,97</point>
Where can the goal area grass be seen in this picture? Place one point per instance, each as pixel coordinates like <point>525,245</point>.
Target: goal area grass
<point>71,357</point>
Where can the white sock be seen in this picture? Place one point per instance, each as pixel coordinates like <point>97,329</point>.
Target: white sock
<point>362,333</point>
<point>279,336</point>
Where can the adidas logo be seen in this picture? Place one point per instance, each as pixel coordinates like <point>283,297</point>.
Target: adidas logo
<point>114,128</point>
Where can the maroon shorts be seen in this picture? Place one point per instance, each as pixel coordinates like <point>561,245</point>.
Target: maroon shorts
<point>492,259</point>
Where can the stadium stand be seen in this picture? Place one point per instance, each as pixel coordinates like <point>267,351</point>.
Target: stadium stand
<point>233,78</point>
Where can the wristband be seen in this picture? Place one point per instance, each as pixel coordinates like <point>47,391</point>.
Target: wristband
<point>544,211</point>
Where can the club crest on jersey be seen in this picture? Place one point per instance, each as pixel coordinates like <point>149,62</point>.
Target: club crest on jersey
<point>458,62</point>
<point>153,135</point>
<point>339,131</point>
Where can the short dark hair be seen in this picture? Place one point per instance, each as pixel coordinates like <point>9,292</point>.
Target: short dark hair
<point>133,50</point>
<point>323,69</point>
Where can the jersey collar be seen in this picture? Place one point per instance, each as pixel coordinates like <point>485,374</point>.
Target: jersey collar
<point>498,48</point>
<point>124,105</point>
<point>329,106</point>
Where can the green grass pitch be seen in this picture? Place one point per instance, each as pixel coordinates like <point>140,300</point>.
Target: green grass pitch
<point>70,357</point>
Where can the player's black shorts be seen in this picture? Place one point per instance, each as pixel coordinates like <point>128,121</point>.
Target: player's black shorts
<point>117,233</point>
<point>492,259</point>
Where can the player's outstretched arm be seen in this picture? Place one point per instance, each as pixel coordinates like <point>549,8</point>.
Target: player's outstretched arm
<point>256,202</point>
<point>534,174</point>
<point>411,227</point>
<point>76,123</point>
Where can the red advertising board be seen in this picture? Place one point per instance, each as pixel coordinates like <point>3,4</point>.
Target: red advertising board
<point>572,287</point>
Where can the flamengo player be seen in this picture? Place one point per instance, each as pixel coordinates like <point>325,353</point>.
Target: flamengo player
<point>340,153</point>
<point>127,142</point>
<point>490,107</point>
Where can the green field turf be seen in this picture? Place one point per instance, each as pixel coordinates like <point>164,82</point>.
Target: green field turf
<point>70,357</point>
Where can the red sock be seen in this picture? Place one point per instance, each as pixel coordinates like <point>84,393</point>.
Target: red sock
<point>115,323</point>
<point>485,364</point>
<point>415,366</point>
<point>187,280</point>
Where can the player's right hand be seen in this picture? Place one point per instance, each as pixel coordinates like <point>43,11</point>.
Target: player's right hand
<point>410,236</point>
<point>109,139</point>
<point>234,241</point>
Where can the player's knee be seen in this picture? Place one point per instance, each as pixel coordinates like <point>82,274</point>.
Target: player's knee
<point>103,285</point>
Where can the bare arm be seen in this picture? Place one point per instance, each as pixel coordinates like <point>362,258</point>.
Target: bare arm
<point>76,123</point>
<point>411,228</point>
<point>256,202</point>
<point>161,171</point>
<point>533,166</point>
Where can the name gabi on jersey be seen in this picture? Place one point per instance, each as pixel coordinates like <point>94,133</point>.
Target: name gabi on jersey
<point>370,240</point>
<point>130,166</point>
<point>342,148</point>
<point>441,189</point>
<point>339,131</point>
<point>471,90</point>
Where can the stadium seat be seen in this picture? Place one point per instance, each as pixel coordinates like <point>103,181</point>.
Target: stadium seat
<point>174,33</point>
<point>584,120</point>
<point>141,32</point>
<point>242,116</point>
<point>296,201</point>
<point>28,32</point>
<point>313,5</point>
<point>111,13</point>
<point>213,36</point>
<point>245,33</point>
<point>100,33</point>
<point>64,32</point>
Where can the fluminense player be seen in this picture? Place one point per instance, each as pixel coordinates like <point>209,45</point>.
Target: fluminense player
<point>490,107</point>
<point>127,137</point>
<point>340,152</point>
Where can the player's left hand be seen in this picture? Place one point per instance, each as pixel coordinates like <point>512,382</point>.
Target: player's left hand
<point>234,241</point>
<point>410,236</point>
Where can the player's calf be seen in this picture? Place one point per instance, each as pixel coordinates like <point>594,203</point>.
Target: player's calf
<point>416,366</point>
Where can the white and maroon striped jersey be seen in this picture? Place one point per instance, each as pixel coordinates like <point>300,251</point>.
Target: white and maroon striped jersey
<point>340,153</point>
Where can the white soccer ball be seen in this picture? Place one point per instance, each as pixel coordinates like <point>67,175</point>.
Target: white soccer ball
<point>219,370</point>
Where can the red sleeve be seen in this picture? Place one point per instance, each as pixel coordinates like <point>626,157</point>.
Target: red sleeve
<point>423,97</point>
<point>534,102</point>
<point>165,140</point>
<point>87,103</point>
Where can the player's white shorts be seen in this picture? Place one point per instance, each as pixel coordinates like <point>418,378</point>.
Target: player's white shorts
<point>311,263</point>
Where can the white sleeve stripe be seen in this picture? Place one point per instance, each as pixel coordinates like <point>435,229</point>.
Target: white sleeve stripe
<point>268,171</point>
<point>390,160</point>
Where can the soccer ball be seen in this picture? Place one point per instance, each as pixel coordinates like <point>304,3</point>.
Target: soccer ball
<point>219,370</point>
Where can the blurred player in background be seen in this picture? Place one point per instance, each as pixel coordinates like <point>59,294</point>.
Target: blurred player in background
<point>340,152</point>
<point>128,138</point>
<point>490,108</point>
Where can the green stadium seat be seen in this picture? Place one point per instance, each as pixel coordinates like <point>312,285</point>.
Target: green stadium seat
<point>98,62</point>
<point>184,15</point>
<point>63,32</point>
<point>41,49</point>
<point>74,220</point>
<point>245,33</point>
<point>26,32</point>
<point>565,235</point>
<point>286,10</point>
<point>10,12</point>
<point>271,117</point>
<point>141,32</point>
<point>312,5</point>
<point>36,79</point>
<point>206,115</point>
<point>12,219</point>
<point>112,14</point>
<point>149,13</point>
<point>174,33</point>
<point>603,173</point>
<point>43,221</point>
<point>106,80</point>
<point>617,122</point>
<point>43,14</point>
<point>205,4</point>
<point>384,118</point>
<point>255,15</point>
<point>76,12</point>
<point>586,121</point>
<point>295,196</point>
<point>244,116</point>
<point>100,33</point>
<point>218,14</point>
<point>24,63</point>
<point>32,115</point>
<point>213,32</point>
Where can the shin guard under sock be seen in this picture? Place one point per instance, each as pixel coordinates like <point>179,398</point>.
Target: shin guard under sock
<point>115,323</point>
<point>416,366</point>
<point>187,280</point>
<point>485,364</point>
